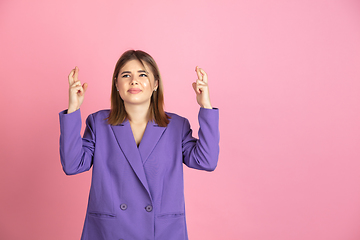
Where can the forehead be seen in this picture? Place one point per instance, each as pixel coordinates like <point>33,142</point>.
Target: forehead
<point>135,65</point>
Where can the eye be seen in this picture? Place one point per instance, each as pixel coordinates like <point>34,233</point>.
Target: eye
<point>125,76</point>
<point>143,75</point>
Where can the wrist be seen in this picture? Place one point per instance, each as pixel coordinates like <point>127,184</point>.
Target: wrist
<point>208,106</point>
<point>71,109</point>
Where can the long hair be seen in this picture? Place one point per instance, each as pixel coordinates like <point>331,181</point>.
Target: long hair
<point>117,112</point>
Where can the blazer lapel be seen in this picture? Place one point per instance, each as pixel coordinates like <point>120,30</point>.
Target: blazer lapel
<point>126,141</point>
<point>149,140</point>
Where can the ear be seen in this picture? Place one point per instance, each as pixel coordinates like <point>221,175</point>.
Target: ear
<point>156,84</point>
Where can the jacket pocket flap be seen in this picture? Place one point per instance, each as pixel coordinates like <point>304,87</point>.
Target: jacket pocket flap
<point>102,215</point>
<point>171,215</point>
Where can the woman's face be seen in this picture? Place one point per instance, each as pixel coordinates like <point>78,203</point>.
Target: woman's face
<point>136,84</point>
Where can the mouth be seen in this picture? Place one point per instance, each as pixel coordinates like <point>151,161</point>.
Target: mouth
<point>134,90</point>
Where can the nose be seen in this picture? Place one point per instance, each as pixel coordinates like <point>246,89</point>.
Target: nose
<point>134,81</point>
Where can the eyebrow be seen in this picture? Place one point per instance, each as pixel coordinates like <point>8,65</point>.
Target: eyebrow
<point>140,71</point>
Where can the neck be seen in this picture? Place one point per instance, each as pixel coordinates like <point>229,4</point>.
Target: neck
<point>137,113</point>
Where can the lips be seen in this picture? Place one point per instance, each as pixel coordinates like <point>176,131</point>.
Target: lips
<point>134,90</point>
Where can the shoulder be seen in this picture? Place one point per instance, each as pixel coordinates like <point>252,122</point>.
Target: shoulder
<point>175,119</point>
<point>174,116</point>
<point>100,115</point>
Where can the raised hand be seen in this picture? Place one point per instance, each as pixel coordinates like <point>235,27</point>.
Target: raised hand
<point>201,89</point>
<point>76,91</point>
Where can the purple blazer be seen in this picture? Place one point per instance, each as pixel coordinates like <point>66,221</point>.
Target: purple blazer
<point>137,193</point>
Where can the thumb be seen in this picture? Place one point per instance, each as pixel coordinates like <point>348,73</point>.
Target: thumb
<point>194,87</point>
<point>85,86</point>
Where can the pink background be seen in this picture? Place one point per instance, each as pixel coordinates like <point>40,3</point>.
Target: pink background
<point>284,74</point>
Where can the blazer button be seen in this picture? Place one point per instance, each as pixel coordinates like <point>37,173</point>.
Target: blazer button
<point>123,206</point>
<point>148,208</point>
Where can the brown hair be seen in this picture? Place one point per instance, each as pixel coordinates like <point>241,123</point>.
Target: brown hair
<point>117,112</point>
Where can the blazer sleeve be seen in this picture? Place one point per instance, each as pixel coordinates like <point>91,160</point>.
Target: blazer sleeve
<point>76,153</point>
<point>202,153</point>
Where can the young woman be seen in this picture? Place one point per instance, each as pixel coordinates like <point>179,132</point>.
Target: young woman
<point>137,153</point>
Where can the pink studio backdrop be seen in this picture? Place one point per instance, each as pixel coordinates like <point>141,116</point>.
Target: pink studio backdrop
<point>284,74</point>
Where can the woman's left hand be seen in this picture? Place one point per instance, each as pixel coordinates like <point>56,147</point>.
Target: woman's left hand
<point>201,89</point>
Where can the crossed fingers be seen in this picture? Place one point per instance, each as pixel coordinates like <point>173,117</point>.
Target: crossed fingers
<point>202,80</point>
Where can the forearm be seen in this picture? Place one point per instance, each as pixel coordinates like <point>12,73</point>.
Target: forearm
<point>75,158</point>
<point>203,153</point>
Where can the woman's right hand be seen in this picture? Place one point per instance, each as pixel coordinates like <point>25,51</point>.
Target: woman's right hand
<point>76,91</point>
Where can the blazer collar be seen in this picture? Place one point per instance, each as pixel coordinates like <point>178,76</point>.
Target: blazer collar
<point>138,156</point>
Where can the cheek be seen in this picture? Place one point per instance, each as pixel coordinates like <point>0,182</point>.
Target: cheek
<point>146,84</point>
<point>121,90</point>
<point>150,83</point>
<point>121,85</point>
